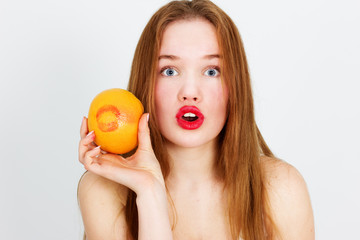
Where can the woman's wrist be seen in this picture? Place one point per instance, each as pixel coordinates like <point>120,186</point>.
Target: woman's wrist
<point>154,222</point>
<point>154,193</point>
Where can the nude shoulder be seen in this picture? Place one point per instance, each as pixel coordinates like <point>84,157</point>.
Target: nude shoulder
<point>102,203</point>
<point>282,179</point>
<point>289,199</point>
<point>279,173</point>
<point>91,184</point>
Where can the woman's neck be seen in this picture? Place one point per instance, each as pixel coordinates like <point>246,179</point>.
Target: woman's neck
<point>192,166</point>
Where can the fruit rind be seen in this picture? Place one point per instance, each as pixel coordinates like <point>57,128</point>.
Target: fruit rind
<point>121,136</point>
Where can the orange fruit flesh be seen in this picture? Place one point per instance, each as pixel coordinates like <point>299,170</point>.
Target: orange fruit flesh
<point>114,116</point>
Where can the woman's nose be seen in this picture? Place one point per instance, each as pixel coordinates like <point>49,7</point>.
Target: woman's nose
<point>190,91</point>
<point>184,98</point>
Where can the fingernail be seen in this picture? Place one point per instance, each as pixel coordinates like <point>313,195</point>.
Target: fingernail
<point>97,149</point>
<point>89,133</point>
<point>147,117</point>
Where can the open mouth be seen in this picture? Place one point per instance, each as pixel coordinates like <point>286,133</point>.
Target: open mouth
<point>190,117</point>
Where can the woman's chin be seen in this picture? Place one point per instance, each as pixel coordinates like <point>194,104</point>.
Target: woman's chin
<point>191,142</point>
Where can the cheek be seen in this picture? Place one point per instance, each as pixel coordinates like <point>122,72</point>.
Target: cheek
<point>224,91</point>
<point>225,94</point>
<point>158,94</point>
<point>163,94</point>
<point>220,96</point>
<point>220,103</point>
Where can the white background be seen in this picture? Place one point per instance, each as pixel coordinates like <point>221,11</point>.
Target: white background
<point>55,56</point>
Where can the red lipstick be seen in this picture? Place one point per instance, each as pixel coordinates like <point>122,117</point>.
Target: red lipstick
<point>189,117</point>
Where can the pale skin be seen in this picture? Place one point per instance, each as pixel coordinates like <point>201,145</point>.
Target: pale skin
<point>188,75</point>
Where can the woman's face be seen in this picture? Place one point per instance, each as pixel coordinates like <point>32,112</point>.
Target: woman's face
<point>190,97</point>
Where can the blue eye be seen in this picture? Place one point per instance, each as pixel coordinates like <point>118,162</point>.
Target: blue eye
<point>169,72</point>
<point>212,72</point>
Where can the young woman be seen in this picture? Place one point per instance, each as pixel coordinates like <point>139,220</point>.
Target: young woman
<point>202,169</point>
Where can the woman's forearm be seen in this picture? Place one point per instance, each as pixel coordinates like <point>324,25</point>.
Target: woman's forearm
<point>154,223</point>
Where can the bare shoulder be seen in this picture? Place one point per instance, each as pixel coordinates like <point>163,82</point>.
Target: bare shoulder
<point>101,203</point>
<point>279,173</point>
<point>92,184</point>
<point>289,199</point>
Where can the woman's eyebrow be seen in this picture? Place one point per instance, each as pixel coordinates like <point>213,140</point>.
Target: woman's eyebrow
<point>211,56</point>
<point>173,57</point>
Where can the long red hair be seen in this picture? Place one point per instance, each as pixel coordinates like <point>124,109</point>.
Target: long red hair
<point>240,141</point>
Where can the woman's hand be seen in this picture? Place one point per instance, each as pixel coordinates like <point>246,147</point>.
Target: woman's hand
<point>139,172</point>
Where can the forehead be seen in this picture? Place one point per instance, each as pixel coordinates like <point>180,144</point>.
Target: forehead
<point>195,36</point>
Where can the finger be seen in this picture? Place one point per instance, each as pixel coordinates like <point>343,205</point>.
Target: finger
<point>117,169</point>
<point>144,133</point>
<point>85,145</point>
<point>84,128</point>
<point>88,139</point>
<point>90,158</point>
<point>106,165</point>
<point>116,159</point>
